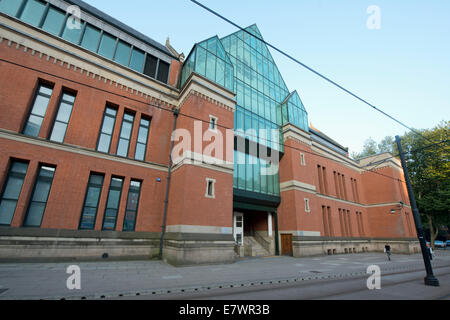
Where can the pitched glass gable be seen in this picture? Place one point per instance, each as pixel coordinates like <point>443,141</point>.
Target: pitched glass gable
<point>294,112</point>
<point>209,59</point>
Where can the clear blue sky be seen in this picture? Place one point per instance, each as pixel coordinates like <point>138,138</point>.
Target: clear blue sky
<point>403,68</point>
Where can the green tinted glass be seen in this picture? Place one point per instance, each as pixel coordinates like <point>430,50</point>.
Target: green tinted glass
<point>90,38</point>
<point>33,11</point>
<point>137,60</point>
<point>54,21</point>
<point>10,6</point>
<point>107,46</point>
<point>122,53</point>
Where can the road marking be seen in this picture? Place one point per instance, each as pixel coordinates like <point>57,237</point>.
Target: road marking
<point>172,277</point>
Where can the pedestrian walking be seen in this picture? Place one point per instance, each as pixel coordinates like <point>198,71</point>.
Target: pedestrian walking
<point>387,250</point>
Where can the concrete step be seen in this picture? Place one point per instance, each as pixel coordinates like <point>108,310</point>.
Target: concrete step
<point>256,249</point>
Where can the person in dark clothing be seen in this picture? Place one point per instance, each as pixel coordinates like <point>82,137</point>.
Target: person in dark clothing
<point>387,250</point>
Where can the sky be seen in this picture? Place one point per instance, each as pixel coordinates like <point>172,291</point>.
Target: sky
<point>403,68</point>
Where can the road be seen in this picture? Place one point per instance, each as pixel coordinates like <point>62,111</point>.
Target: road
<point>407,285</point>
<point>324,277</point>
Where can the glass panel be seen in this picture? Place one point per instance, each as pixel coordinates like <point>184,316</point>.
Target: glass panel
<point>108,125</point>
<point>126,129</point>
<point>58,132</point>
<point>122,148</point>
<point>210,67</point>
<point>33,11</point>
<point>41,191</point>
<point>163,72</point>
<point>19,167</point>
<point>10,6</point>
<point>137,60</point>
<point>92,196</point>
<point>13,187</point>
<point>7,209</point>
<point>35,214</point>
<point>69,98</point>
<point>123,53</point>
<point>107,46</point>
<point>200,66</point>
<point>88,218</point>
<point>143,135</point>
<point>54,21</point>
<point>40,106</point>
<point>64,112</point>
<point>72,35</point>
<point>91,38</point>
<point>103,143</point>
<point>140,152</point>
<point>33,126</point>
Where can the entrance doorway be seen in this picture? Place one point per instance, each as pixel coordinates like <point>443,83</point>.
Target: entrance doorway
<point>286,245</point>
<point>238,228</point>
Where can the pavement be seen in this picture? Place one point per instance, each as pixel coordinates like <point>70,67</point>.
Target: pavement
<point>156,279</point>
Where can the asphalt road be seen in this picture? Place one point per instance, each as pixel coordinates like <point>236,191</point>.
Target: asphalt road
<point>407,285</point>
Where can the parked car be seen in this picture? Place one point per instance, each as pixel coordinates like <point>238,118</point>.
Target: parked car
<point>440,244</point>
<point>448,243</point>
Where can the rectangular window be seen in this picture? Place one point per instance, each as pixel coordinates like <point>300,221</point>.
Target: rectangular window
<point>123,53</point>
<point>37,114</point>
<point>10,6</point>
<point>112,204</point>
<point>39,197</point>
<point>109,121</point>
<point>307,208</point>
<point>151,64</point>
<point>330,223</point>
<point>129,223</point>
<point>137,59</point>
<point>125,134</point>
<point>319,174</point>
<point>141,146</point>
<point>73,35</point>
<point>302,159</point>
<point>91,37</point>
<point>325,181</point>
<point>325,221</point>
<point>63,117</point>
<point>107,45</point>
<point>210,188</point>
<point>54,21</point>
<point>92,198</point>
<point>11,191</point>
<point>33,11</point>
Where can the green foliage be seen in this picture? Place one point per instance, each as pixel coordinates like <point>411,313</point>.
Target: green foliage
<point>429,170</point>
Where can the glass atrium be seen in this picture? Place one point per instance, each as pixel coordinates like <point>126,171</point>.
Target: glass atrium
<point>263,101</point>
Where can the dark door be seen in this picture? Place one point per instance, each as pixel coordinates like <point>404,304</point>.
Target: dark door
<point>286,245</point>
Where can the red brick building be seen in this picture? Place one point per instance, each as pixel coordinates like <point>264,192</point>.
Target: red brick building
<point>88,107</point>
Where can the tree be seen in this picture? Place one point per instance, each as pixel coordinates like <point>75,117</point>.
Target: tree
<point>429,169</point>
<point>371,147</point>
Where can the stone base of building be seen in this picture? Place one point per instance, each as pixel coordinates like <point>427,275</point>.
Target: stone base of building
<point>315,246</point>
<point>183,249</point>
<point>45,245</point>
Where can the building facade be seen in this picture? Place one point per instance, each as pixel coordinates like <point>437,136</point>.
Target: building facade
<point>115,146</point>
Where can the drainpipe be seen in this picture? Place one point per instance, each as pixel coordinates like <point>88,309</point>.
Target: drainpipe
<point>176,112</point>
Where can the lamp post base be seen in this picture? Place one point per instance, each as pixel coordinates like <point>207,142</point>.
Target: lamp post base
<point>431,280</point>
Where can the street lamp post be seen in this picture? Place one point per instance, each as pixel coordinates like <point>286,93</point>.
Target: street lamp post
<point>430,279</point>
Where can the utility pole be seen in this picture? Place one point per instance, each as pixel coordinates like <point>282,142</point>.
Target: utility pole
<point>430,279</point>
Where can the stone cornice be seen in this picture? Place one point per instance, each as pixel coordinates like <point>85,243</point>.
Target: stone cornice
<point>196,85</point>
